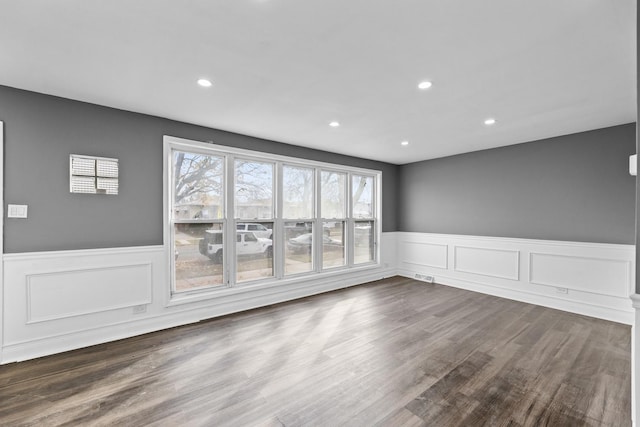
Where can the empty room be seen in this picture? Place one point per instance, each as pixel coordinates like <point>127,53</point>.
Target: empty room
<point>319,213</point>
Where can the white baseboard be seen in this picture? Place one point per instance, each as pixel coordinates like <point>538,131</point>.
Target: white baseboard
<point>586,278</point>
<point>60,301</point>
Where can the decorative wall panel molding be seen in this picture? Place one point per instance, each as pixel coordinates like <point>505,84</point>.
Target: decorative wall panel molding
<point>581,273</point>
<point>67,293</point>
<point>491,262</point>
<point>425,254</point>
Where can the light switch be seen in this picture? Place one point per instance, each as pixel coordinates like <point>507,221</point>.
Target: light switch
<point>17,211</point>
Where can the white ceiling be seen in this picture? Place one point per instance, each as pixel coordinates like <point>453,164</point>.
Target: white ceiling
<point>283,69</point>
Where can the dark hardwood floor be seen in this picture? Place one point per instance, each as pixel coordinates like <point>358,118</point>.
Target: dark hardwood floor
<point>392,353</point>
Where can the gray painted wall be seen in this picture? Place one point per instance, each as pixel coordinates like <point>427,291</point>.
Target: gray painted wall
<point>40,133</point>
<point>573,188</point>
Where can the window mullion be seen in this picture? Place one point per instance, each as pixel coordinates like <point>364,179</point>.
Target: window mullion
<point>230,223</point>
<point>349,235</point>
<point>318,228</point>
<point>278,240</point>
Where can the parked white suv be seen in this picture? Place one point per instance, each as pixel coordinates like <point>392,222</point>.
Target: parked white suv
<point>258,229</point>
<point>247,243</point>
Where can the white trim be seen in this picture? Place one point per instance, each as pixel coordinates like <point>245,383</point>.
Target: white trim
<point>558,285</point>
<point>106,322</point>
<point>28,256</point>
<point>206,148</point>
<point>412,235</point>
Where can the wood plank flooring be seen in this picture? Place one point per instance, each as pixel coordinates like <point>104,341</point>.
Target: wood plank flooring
<point>391,353</point>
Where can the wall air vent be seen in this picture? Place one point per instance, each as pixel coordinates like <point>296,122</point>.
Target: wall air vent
<point>425,278</point>
<point>93,175</point>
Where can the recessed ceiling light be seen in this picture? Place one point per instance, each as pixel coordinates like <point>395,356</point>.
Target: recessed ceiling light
<point>424,85</point>
<point>490,122</point>
<point>204,83</point>
<point>404,143</point>
<point>334,124</point>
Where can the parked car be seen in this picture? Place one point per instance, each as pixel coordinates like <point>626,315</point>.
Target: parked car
<point>296,229</point>
<point>292,230</point>
<point>247,244</point>
<point>303,243</point>
<point>258,229</point>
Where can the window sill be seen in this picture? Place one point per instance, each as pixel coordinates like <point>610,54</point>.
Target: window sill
<point>248,288</point>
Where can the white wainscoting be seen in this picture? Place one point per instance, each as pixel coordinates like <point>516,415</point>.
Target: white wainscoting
<point>58,301</point>
<point>587,278</point>
<point>63,300</point>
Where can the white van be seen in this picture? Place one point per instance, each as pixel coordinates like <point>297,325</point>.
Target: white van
<point>258,229</point>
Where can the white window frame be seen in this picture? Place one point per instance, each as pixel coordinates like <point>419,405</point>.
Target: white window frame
<point>230,154</point>
<point>234,219</point>
<point>373,218</point>
<point>281,248</point>
<point>344,220</point>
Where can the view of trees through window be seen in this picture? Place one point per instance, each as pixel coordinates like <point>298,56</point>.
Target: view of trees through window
<point>198,186</point>
<point>228,228</point>
<point>198,198</point>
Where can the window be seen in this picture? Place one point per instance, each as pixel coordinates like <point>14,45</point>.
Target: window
<point>290,217</point>
<point>362,207</point>
<point>362,189</point>
<point>297,192</point>
<point>298,211</point>
<point>254,200</point>
<point>300,250</point>
<point>333,196</point>
<point>197,220</point>
<point>253,189</point>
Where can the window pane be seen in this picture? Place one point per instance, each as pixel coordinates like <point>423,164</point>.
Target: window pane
<point>333,244</point>
<point>198,186</point>
<point>254,251</point>
<point>362,196</point>
<point>198,256</point>
<point>297,184</point>
<point>254,189</point>
<point>299,249</point>
<point>333,194</point>
<point>363,239</point>
<point>264,229</point>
